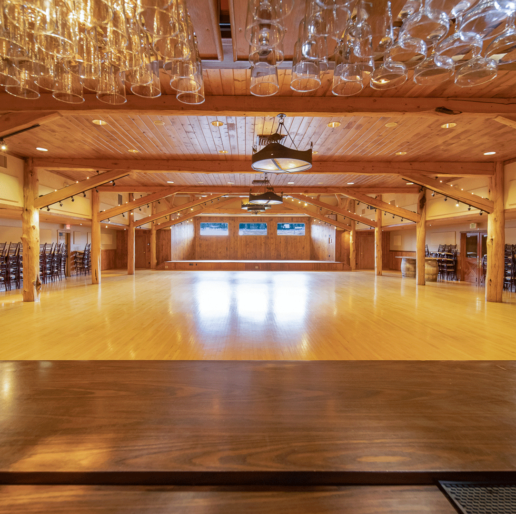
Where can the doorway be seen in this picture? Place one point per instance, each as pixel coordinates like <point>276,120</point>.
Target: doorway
<point>473,247</point>
<point>365,250</point>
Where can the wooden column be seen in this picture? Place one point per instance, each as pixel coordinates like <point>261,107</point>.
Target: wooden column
<point>131,240</point>
<point>378,254</point>
<point>421,238</point>
<point>30,234</point>
<point>153,249</point>
<point>496,237</point>
<point>95,237</point>
<point>352,238</point>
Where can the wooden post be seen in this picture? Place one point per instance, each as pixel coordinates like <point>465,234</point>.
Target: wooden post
<point>30,234</point>
<point>131,236</point>
<point>496,237</point>
<point>378,242</point>
<point>352,238</point>
<point>421,238</point>
<point>153,253</point>
<point>95,237</point>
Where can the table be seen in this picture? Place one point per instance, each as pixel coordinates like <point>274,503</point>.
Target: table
<point>408,268</point>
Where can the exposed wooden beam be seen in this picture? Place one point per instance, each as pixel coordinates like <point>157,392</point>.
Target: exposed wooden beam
<point>192,214</point>
<point>378,251</point>
<point>245,189</point>
<point>505,121</point>
<point>462,169</point>
<point>96,253</point>
<point>496,238</point>
<point>383,206</point>
<point>137,202</point>
<point>452,192</point>
<point>297,208</point>
<point>167,105</point>
<point>75,189</point>
<point>173,210</point>
<point>14,121</point>
<point>335,209</point>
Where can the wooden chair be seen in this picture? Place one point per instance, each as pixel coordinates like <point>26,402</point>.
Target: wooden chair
<point>3,266</point>
<point>509,275</point>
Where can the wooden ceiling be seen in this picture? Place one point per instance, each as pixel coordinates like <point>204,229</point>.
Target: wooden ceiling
<point>194,137</point>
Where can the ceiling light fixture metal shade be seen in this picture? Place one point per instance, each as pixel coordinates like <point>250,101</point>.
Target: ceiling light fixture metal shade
<point>276,158</point>
<point>267,198</point>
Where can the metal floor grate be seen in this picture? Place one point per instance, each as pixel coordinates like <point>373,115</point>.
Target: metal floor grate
<point>481,498</point>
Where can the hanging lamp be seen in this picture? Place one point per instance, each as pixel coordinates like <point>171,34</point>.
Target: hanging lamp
<point>268,197</point>
<point>277,158</point>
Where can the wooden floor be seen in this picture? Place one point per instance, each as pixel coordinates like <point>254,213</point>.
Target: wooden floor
<point>265,316</point>
<point>249,265</point>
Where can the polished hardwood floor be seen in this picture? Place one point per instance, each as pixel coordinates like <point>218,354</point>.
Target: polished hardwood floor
<point>260,315</point>
<point>255,422</point>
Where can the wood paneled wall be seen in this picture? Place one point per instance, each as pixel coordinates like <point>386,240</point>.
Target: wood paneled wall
<point>182,242</point>
<point>121,249</point>
<point>365,250</point>
<point>108,259</point>
<point>269,247</point>
<point>142,249</point>
<point>322,247</point>
<point>163,245</point>
<point>342,247</point>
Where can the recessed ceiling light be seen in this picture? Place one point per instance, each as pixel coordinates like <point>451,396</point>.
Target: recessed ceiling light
<point>334,124</point>
<point>223,151</point>
<point>42,149</point>
<point>489,153</point>
<point>448,125</point>
<point>100,122</point>
<point>291,182</point>
<point>319,182</point>
<point>315,152</point>
<point>200,182</point>
<point>159,123</point>
<point>132,150</point>
<point>217,123</point>
<point>350,183</point>
<point>401,153</point>
<point>391,124</point>
<point>170,181</point>
<point>230,182</point>
<point>410,183</point>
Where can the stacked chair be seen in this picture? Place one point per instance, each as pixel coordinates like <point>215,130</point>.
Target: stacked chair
<point>509,277</point>
<point>447,262</point>
<point>82,261</point>
<point>11,265</point>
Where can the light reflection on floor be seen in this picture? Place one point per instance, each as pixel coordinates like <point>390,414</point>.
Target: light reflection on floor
<point>256,315</point>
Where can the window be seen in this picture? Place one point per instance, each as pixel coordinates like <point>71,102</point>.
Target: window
<point>291,229</point>
<point>214,229</point>
<point>252,229</point>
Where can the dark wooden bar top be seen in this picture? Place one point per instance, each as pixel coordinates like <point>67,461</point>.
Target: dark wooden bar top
<point>237,422</point>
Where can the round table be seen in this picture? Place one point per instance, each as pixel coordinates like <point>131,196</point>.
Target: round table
<point>408,268</point>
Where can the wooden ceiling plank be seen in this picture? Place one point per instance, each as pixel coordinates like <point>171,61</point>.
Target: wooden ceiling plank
<point>335,209</point>
<point>77,188</point>
<point>503,120</point>
<point>445,189</point>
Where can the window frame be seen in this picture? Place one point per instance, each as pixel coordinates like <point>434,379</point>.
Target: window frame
<point>291,234</point>
<point>213,223</point>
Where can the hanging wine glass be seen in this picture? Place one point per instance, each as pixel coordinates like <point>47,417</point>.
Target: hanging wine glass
<point>192,97</point>
<point>477,71</point>
<point>26,86</point>
<point>306,72</point>
<point>264,22</point>
<point>488,17</point>
<point>434,70</point>
<point>452,8</point>
<point>264,79</point>
<point>7,73</point>
<point>67,86</point>
<point>408,50</point>
<point>347,76</point>
<point>390,74</point>
<point>460,46</point>
<point>503,48</point>
<point>266,53</point>
<point>111,83</point>
<point>427,24</point>
<point>144,87</point>
<point>409,8</point>
<point>160,18</point>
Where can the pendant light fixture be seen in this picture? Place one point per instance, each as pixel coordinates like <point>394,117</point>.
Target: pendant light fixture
<point>277,158</point>
<point>268,197</point>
